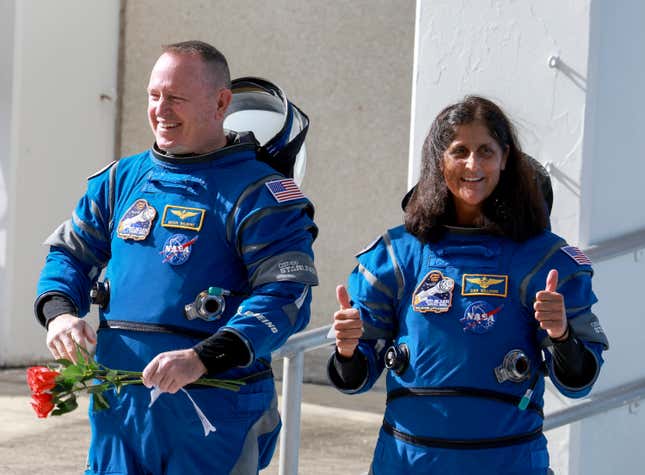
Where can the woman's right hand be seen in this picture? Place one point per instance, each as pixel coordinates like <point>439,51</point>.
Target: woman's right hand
<point>348,327</point>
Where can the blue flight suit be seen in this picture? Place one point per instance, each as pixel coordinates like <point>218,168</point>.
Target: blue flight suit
<point>166,229</point>
<point>460,305</point>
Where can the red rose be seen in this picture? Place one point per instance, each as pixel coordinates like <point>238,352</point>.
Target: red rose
<point>41,379</point>
<point>42,404</point>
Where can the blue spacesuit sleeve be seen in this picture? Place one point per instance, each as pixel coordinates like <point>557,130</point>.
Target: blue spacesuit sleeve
<point>274,240</point>
<point>373,288</point>
<point>80,247</point>
<point>574,283</point>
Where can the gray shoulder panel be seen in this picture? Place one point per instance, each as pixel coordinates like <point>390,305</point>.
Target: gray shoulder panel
<point>268,422</point>
<point>587,327</point>
<point>64,236</point>
<point>374,282</point>
<point>291,266</point>
<point>400,281</point>
<point>111,197</point>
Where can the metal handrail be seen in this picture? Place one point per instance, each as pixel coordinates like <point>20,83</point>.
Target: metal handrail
<point>616,246</point>
<point>293,354</point>
<point>598,403</point>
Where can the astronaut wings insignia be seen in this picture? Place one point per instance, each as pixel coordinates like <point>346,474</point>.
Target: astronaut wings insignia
<point>484,284</point>
<point>183,217</point>
<point>183,214</point>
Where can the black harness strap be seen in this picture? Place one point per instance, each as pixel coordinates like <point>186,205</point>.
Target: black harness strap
<point>461,391</point>
<point>471,444</point>
<point>151,328</point>
<point>171,329</point>
<point>249,379</point>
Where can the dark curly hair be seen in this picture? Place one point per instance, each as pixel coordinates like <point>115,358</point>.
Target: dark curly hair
<point>516,207</point>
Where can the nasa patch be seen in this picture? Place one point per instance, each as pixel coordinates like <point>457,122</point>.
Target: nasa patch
<point>479,317</point>
<point>434,293</point>
<point>177,248</point>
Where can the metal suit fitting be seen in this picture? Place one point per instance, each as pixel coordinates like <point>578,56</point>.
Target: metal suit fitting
<point>397,358</point>
<point>208,305</point>
<point>100,293</point>
<point>516,367</point>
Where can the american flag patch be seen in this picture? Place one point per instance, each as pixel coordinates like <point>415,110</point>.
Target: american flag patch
<point>284,190</point>
<point>576,254</point>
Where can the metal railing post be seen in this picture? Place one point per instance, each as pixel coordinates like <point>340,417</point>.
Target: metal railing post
<point>291,399</point>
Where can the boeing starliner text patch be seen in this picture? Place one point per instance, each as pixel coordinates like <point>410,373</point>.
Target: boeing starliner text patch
<point>434,293</point>
<point>177,249</point>
<point>137,221</point>
<point>479,317</point>
<point>576,254</point>
<point>183,217</point>
<point>484,284</point>
<point>284,190</point>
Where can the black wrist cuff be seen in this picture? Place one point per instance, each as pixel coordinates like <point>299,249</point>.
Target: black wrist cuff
<point>53,305</point>
<point>222,351</point>
<point>347,373</point>
<point>567,336</point>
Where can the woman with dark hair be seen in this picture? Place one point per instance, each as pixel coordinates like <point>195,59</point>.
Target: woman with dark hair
<point>465,305</point>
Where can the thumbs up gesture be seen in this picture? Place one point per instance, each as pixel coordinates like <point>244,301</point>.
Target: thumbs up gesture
<point>347,324</point>
<point>549,309</point>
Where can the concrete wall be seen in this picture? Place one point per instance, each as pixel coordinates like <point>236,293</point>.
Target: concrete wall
<point>348,65</point>
<point>56,132</point>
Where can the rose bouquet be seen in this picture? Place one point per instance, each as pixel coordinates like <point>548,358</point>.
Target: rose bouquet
<point>54,389</point>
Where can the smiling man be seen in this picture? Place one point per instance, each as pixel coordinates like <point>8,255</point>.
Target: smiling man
<point>194,241</point>
<point>187,98</point>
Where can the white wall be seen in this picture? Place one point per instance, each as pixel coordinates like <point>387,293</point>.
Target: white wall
<point>614,164</point>
<point>6,79</point>
<point>612,442</point>
<point>583,118</point>
<point>499,49</point>
<point>61,58</point>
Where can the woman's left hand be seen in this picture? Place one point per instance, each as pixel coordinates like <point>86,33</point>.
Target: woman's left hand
<point>549,308</point>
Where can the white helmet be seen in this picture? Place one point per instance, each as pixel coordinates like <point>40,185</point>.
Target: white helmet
<point>279,126</point>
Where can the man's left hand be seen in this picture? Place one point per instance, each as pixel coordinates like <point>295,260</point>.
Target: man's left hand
<point>172,370</point>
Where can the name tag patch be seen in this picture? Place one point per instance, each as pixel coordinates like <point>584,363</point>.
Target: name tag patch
<point>484,284</point>
<point>183,217</point>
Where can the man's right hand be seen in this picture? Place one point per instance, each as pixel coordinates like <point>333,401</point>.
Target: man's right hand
<point>66,329</point>
<point>347,324</point>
